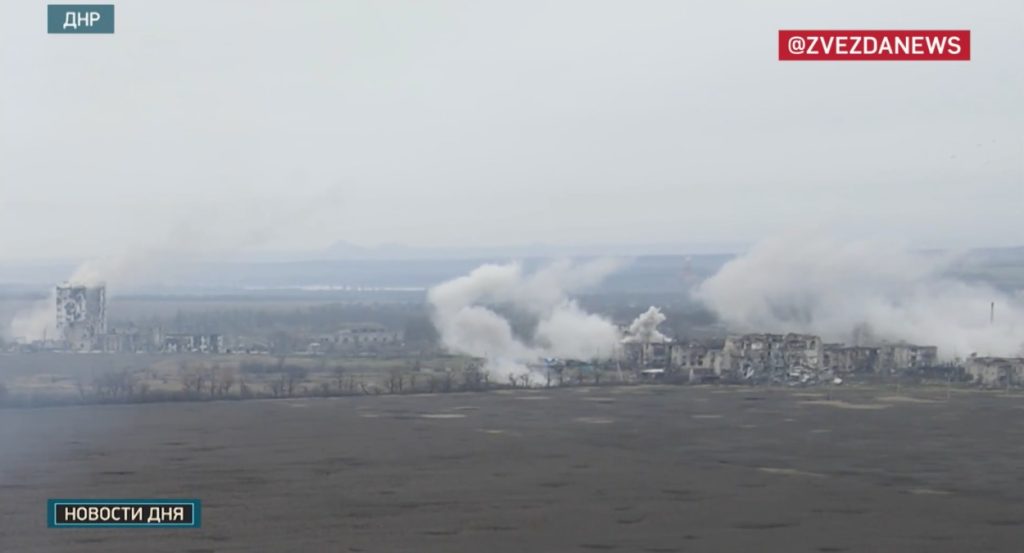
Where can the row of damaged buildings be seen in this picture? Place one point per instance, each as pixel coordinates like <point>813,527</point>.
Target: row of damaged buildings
<point>801,358</point>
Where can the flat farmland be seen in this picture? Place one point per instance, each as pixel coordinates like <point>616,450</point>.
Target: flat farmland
<point>645,468</point>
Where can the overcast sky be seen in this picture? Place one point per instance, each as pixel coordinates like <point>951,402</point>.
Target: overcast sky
<point>294,124</point>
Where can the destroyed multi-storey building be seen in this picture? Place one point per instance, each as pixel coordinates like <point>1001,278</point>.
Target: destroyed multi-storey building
<point>81,315</point>
<point>643,344</point>
<point>651,354</point>
<point>995,371</point>
<point>739,357</point>
<point>774,357</point>
<point>699,361</point>
<point>762,354</point>
<point>886,358</point>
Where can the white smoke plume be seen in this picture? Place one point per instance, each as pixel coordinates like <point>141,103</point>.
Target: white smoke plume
<point>463,314</point>
<point>644,328</point>
<point>37,322</point>
<point>817,285</point>
<point>158,263</point>
<point>205,234</point>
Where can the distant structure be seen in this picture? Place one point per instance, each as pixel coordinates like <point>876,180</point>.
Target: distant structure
<point>885,358</point>
<point>776,357</point>
<point>365,335</point>
<point>81,315</point>
<point>995,371</point>
<point>191,343</point>
<point>750,354</point>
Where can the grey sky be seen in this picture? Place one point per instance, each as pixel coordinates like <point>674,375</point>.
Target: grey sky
<point>474,123</point>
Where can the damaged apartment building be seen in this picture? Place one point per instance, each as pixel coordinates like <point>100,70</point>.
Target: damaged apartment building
<point>81,316</point>
<point>885,358</point>
<point>995,371</point>
<point>765,357</point>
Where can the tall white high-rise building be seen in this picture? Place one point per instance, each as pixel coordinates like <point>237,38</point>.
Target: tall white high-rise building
<point>81,315</point>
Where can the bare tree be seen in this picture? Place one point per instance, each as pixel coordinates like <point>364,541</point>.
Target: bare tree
<point>227,380</point>
<point>114,385</point>
<point>339,376</point>
<point>277,386</point>
<point>295,375</point>
<point>526,379</point>
<point>472,378</point>
<point>211,380</point>
<point>192,379</point>
<point>395,382</point>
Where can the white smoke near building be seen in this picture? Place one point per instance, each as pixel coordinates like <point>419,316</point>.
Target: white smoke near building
<point>37,322</point>
<point>817,285</point>
<point>644,329</point>
<point>465,316</point>
<point>157,264</point>
<point>164,260</point>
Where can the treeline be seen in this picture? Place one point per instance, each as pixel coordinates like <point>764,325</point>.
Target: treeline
<point>288,379</point>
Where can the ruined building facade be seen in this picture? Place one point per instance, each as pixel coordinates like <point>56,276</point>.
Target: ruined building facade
<point>752,354</point>
<point>995,371</point>
<point>81,315</point>
<point>779,357</point>
<point>882,358</point>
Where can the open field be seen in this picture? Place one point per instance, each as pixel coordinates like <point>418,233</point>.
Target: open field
<point>655,469</point>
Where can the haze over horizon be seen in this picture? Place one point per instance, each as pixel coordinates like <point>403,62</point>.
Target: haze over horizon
<point>448,124</point>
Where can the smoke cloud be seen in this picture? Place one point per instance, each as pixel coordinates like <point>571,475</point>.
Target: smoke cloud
<point>644,328</point>
<point>210,233</point>
<point>464,314</point>
<point>36,322</point>
<point>818,285</point>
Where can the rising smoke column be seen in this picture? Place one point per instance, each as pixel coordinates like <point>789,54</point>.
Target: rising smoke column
<point>818,285</point>
<point>462,312</point>
<point>644,329</point>
<point>166,259</point>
